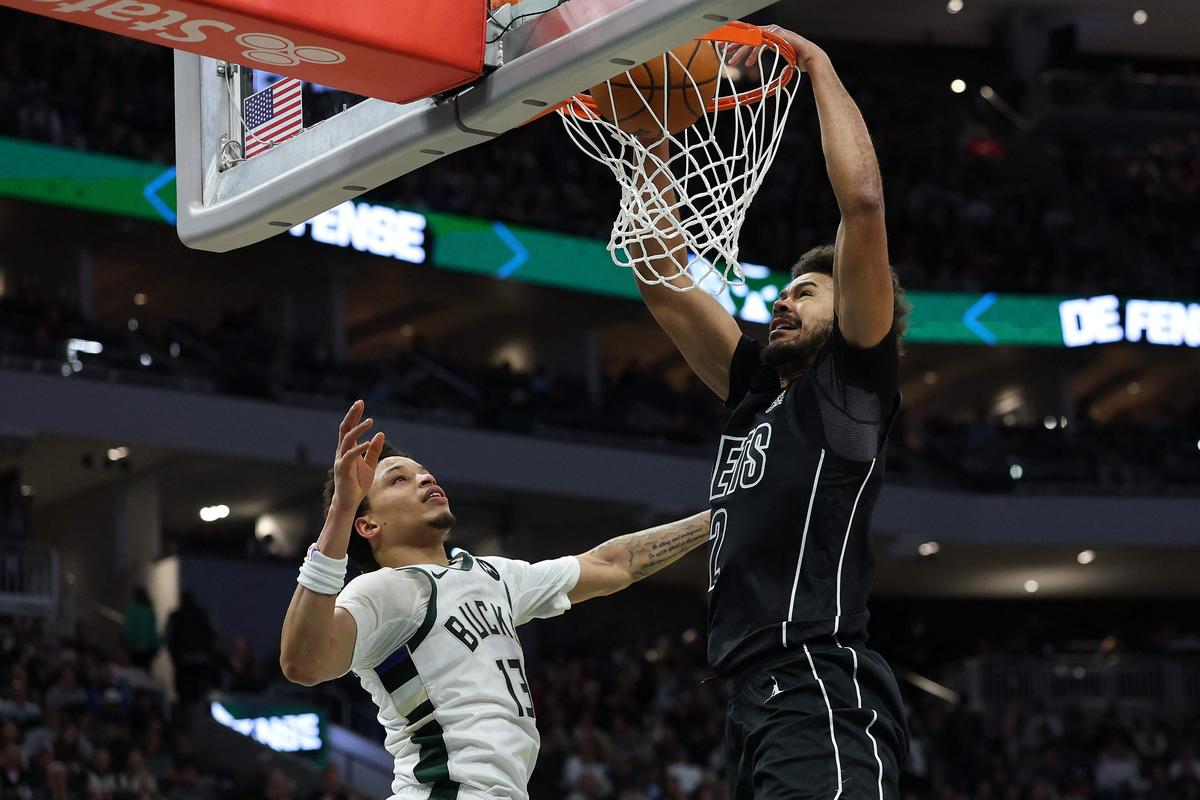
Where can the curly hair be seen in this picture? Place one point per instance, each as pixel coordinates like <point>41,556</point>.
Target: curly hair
<point>820,259</point>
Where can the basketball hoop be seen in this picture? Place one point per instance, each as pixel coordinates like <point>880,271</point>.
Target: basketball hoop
<point>692,197</point>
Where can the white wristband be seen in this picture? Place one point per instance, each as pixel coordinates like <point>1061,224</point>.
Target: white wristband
<point>321,574</point>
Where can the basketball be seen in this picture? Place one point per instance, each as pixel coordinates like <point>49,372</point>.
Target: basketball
<point>660,93</point>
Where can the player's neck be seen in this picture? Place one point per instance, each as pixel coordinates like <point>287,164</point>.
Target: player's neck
<point>404,555</point>
<point>790,373</point>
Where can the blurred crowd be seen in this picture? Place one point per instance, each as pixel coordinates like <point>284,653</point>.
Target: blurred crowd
<point>634,406</point>
<point>79,88</point>
<point>637,721</point>
<point>1115,458</point>
<point>1154,190</point>
<point>85,721</point>
<point>971,201</point>
<point>645,723</point>
<point>80,722</point>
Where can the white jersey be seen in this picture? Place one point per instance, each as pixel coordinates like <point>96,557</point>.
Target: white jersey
<point>437,649</point>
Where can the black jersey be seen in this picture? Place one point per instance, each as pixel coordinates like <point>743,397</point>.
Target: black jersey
<point>792,492</point>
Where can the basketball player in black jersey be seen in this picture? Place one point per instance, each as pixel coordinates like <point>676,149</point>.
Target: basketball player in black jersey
<point>812,712</point>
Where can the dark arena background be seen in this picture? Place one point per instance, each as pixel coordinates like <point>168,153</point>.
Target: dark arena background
<point>167,417</point>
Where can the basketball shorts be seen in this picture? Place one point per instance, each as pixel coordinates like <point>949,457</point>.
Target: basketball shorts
<point>824,720</point>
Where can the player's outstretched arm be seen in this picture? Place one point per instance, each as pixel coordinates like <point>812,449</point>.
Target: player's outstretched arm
<point>614,565</point>
<point>861,272</point>
<point>701,329</point>
<point>317,643</point>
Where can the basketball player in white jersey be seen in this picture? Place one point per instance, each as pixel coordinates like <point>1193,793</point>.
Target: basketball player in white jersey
<point>433,639</point>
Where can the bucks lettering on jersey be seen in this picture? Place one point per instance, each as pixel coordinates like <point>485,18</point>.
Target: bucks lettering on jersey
<point>453,698</point>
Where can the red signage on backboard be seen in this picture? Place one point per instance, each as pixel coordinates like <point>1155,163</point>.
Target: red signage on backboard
<point>400,50</point>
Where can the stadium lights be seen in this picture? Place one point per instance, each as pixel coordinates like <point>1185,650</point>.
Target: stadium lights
<point>117,453</point>
<point>1031,586</point>
<point>214,513</point>
<point>75,346</point>
<point>1086,556</point>
<point>140,299</point>
<point>987,92</point>
<point>1140,17</point>
<point>954,6</point>
<point>145,360</point>
<point>958,86</point>
<point>1050,423</point>
<point>132,325</point>
<point>1016,472</point>
<point>928,548</point>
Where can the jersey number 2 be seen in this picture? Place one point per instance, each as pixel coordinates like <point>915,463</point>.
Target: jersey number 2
<point>514,665</point>
<point>716,535</point>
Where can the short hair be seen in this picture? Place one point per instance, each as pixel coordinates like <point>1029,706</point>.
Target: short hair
<point>362,557</point>
<point>820,259</point>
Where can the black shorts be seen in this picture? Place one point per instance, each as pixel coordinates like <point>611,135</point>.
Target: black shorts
<point>823,721</point>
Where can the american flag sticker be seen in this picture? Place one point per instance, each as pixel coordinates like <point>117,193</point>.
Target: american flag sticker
<point>273,115</point>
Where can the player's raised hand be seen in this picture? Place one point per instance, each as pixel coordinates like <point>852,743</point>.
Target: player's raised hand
<point>354,462</point>
<point>806,52</point>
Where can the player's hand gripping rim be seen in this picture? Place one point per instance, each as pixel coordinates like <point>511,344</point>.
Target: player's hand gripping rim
<point>806,52</point>
<point>354,462</point>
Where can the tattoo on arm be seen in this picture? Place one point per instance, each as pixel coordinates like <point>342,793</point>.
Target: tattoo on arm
<point>648,551</point>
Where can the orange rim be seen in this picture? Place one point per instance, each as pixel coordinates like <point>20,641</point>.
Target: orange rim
<point>734,32</point>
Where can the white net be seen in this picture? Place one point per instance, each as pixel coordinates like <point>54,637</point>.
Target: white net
<point>684,196</point>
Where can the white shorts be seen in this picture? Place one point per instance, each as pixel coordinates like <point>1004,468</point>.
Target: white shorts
<point>422,793</point>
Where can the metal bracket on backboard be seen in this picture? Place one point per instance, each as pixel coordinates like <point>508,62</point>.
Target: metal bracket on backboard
<point>505,21</point>
<point>541,62</point>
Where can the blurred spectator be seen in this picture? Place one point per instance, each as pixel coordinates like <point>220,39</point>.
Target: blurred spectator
<point>242,672</point>
<point>139,631</point>
<point>1118,771</point>
<point>16,704</point>
<point>58,784</point>
<point>66,694</point>
<point>189,785</point>
<point>1185,767</point>
<point>101,779</point>
<point>136,779</point>
<point>331,785</point>
<point>14,506</point>
<point>190,640</point>
<point>15,782</point>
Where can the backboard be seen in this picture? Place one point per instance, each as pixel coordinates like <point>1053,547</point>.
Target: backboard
<point>538,54</point>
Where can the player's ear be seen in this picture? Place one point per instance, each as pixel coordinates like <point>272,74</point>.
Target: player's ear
<point>363,526</point>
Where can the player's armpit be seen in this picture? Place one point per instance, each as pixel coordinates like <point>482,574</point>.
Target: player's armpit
<point>863,277</point>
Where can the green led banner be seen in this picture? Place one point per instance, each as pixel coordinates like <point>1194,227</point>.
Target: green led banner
<point>88,181</point>
<point>130,188</point>
<point>536,256</point>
